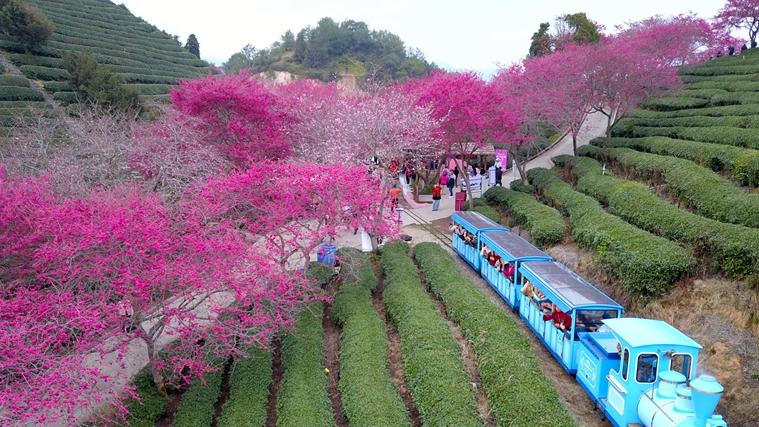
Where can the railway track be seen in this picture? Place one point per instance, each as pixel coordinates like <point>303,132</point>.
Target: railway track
<point>429,227</point>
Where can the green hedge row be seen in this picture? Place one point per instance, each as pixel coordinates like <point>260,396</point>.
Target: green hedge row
<point>369,396</point>
<point>701,93</point>
<point>249,382</point>
<point>732,98</point>
<point>302,399</point>
<point>751,122</point>
<point>434,371</point>
<point>723,78</point>
<point>706,192</point>
<point>17,93</point>
<point>742,163</point>
<point>489,212</point>
<point>730,86</point>
<point>66,97</point>
<point>734,249</point>
<point>152,404</point>
<point>63,86</point>
<point>738,137</point>
<point>29,59</point>
<point>22,104</point>
<point>147,78</point>
<point>9,80</point>
<point>668,103</point>
<point>518,392</point>
<point>731,69</point>
<point>44,73</point>
<point>724,110</point>
<point>150,89</point>
<point>196,409</point>
<point>643,263</point>
<point>546,225</point>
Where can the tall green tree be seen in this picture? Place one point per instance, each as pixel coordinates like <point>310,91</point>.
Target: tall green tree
<point>300,45</point>
<point>541,41</point>
<point>288,41</point>
<point>192,45</point>
<point>241,60</point>
<point>25,23</point>
<point>578,28</point>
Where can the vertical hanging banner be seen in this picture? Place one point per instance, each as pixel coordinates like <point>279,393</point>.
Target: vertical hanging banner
<point>502,156</point>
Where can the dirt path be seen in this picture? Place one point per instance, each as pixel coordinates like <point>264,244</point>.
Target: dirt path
<point>394,359</point>
<point>332,362</point>
<point>467,357</point>
<point>271,407</point>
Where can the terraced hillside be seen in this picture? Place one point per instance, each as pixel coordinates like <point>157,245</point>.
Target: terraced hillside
<point>18,98</point>
<point>149,60</point>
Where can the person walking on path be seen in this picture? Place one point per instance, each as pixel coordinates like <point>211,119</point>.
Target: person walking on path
<point>451,183</point>
<point>395,194</point>
<point>437,191</point>
<point>498,174</point>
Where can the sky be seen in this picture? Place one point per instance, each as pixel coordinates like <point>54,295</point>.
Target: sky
<point>475,35</point>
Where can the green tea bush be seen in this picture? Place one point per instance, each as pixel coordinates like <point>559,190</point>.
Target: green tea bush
<point>30,59</point>
<point>721,111</point>
<point>732,98</point>
<point>303,398</point>
<point>667,103</point>
<point>742,163</point>
<point>18,93</point>
<point>518,392</point>
<point>719,71</point>
<point>521,186</point>
<point>489,212</point>
<point>701,93</point>
<point>196,409</point>
<point>435,374</point>
<point>368,394</point>
<point>249,382</point>
<point>546,225</point>
<point>152,404</point>
<point>735,248</point>
<point>693,121</point>
<point>44,73</point>
<point>644,264</point>
<point>9,80</point>
<point>748,138</point>
<point>703,190</point>
<point>730,86</point>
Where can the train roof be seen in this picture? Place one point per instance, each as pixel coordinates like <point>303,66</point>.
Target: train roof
<point>645,332</point>
<point>562,285</point>
<point>475,221</point>
<point>512,247</point>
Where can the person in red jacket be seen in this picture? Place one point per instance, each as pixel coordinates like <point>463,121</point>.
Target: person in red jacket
<point>437,192</point>
<point>560,319</point>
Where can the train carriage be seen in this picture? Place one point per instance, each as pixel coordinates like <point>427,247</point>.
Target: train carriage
<point>512,249</point>
<point>474,223</point>
<point>562,297</point>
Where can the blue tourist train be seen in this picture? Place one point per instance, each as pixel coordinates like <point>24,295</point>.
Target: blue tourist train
<point>638,372</point>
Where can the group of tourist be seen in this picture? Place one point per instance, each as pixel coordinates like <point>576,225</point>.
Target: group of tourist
<point>492,258</point>
<point>551,312</point>
<point>464,235</point>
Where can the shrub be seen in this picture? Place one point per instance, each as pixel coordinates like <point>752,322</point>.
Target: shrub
<point>44,73</point>
<point>742,163</point>
<point>692,121</point>
<point>748,138</point>
<point>521,186</point>
<point>721,111</point>
<point>30,59</point>
<point>719,70</point>
<point>152,404</point>
<point>58,86</point>
<point>249,383</point>
<point>197,405</point>
<point>667,103</point>
<point>303,397</point>
<point>8,80</point>
<point>150,89</point>
<point>703,190</point>
<point>730,86</point>
<point>518,392</point>
<point>25,23</point>
<point>643,263</point>
<point>735,247</point>
<point>98,84</point>
<point>431,358</point>
<point>477,202</point>
<point>546,225</point>
<point>17,93</point>
<point>66,97</point>
<point>488,212</point>
<point>369,396</point>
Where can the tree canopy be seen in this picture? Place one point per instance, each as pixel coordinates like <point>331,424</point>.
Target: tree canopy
<point>331,49</point>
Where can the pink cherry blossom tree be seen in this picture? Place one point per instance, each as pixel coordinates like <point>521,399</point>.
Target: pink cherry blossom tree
<point>238,113</point>
<point>739,14</point>
<point>470,111</point>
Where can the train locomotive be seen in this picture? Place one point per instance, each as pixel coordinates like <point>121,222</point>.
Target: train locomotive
<point>638,372</point>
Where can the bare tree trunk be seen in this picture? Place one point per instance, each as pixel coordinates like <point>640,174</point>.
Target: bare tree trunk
<point>158,379</point>
<point>574,143</point>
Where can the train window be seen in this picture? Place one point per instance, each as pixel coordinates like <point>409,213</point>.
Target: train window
<point>680,363</point>
<point>646,370</point>
<point>625,363</point>
<point>591,320</point>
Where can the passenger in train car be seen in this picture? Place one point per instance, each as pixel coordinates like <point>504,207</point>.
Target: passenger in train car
<point>560,319</point>
<point>492,258</point>
<point>508,271</point>
<point>485,251</point>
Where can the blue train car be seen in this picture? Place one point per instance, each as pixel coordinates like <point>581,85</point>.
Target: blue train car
<point>642,372</point>
<point>473,223</point>
<point>566,299</point>
<point>511,249</point>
